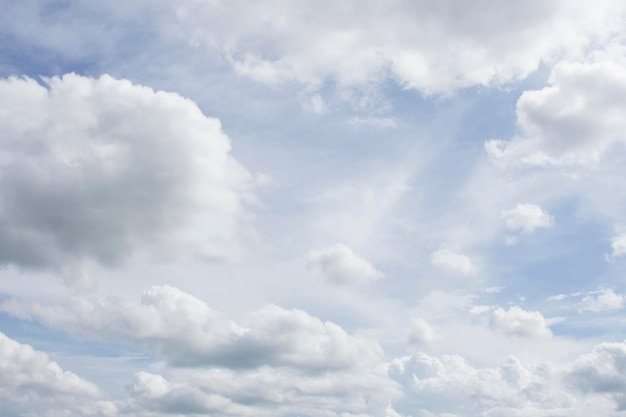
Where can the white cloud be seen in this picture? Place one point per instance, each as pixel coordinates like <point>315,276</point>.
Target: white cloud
<point>376,122</point>
<point>604,301</point>
<point>421,333</point>
<point>450,386</point>
<point>265,392</point>
<point>601,371</point>
<point>101,169</point>
<point>30,380</point>
<point>186,331</point>
<point>618,245</point>
<point>527,217</point>
<point>454,261</point>
<point>340,265</point>
<point>575,119</point>
<point>519,323</point>
<point>432,49</point>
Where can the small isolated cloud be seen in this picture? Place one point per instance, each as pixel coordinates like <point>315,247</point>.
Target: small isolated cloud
<point>618,245</point>
<point>606,300</point>
<point>340,265</point>
<point>527,218</point>
<point>453,261</point>
<point>519,323</point>
<point>421,333</point>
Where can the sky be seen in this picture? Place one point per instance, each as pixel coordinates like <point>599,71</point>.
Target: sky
<point>401,208</point>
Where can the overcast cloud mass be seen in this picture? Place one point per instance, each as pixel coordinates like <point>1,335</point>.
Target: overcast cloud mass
<point>312,208</point>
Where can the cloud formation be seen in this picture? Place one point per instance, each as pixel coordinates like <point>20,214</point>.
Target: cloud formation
<point>575,119</point>
<point>187,332</point>
<point>519,323</point>
<point>30,381</point>
<point>527,218</point>
<point>101,169</point>
<point>453,261</point>
<point>605,300</point>
<point>340,265</point>
<point>432,49</point>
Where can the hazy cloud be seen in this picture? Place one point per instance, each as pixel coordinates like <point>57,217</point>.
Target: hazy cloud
<point>527,218</point>
<point>340,265</point>
<point>453,261</point>
<point>517,322</point>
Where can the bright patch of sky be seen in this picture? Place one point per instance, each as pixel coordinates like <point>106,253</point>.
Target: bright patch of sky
<point>312,208</point>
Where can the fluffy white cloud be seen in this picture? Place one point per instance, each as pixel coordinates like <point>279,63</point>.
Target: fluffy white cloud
<point>187,332</point>
<point>450,386</point>
<point>575,119</point>
<point>604,301</point>
<point>29,379</point>
<point>432,49</point>
<point>527,217</point>
<point>340,265</point>
<point>454,261</point>
<point>517,322</point>
<point>100,169</point>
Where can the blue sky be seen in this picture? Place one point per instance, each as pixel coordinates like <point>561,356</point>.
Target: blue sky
<point>320,209</point>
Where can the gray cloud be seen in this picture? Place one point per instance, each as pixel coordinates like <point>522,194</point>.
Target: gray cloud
<point>187,332</point>
<point>102,169</point>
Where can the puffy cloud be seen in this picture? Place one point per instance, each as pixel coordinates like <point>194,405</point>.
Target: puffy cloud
<point>187,332</point>
<point>601,371</point>
<point>450,386</point>
<point>575,119</point>
<point>520,323</point>
<point>340,265</point>
<point>432,49</point>
<point>454,261</point>
<point>100,169</point>
<point>264,392</point>
<point>604,301</point>
<point>153,393</point>
<point>527,217</point>
<point>29,379</point>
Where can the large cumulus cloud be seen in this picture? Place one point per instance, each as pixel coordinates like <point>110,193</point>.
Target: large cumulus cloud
<point>100,169</point>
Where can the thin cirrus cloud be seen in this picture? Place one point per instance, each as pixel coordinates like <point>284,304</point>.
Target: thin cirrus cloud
<point>101,169</point>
